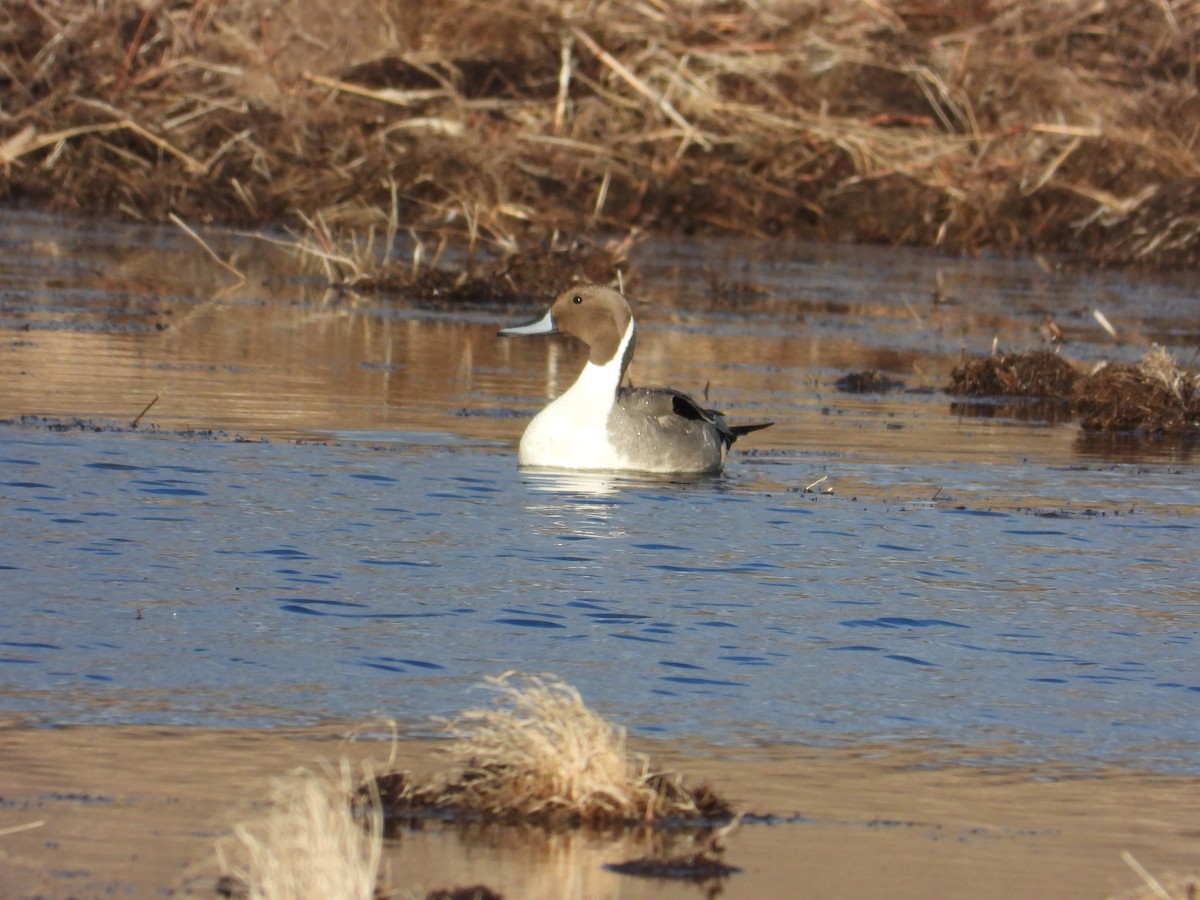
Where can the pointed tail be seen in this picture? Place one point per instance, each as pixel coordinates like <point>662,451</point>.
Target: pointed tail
<point>739,430</point>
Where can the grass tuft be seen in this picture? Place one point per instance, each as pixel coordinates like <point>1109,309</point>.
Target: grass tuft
<point>1154,396</point>
<point>310,843</point>
<point>1039,374</point>
<point>539,754</point>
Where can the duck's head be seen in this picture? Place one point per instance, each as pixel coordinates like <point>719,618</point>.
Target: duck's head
<point>597,315</point>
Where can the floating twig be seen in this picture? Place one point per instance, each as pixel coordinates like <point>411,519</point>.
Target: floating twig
<point>138,418</point>
<point>808,488</point>
<point>1151,882</point>
<point>1102,320</point>
<point>28,826</point>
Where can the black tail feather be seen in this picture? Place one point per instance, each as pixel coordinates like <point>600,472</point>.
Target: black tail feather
<point>739,430</point>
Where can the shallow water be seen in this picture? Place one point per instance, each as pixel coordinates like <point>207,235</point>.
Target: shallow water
<point>135,811</point>
<point>993,582</point>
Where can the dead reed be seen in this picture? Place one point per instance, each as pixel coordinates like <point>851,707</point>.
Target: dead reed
<point>538,754</point>
<point>1040,374</point>
<point>1011,124</point>
<point>310,843</point>
<point>1155,396</point>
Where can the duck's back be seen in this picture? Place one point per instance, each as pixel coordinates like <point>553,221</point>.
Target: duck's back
<point>659,429</point>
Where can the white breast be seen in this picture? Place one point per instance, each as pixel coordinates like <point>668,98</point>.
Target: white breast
<point>572,432</point>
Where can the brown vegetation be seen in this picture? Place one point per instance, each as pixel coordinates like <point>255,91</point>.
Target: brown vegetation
<point>539,755</point>
<point>1012,124</point>
<point>1153,396</point>
<point>1039,374</point>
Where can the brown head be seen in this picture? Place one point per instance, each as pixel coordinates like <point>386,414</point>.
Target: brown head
<point>596,315</point>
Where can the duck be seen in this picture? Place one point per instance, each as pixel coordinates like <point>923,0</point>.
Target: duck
<point>598,423</point>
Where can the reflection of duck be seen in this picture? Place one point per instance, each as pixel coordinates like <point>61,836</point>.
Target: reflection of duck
<point>597,424</point>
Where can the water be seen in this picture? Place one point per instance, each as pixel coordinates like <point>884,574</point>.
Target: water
<point>996,583</point>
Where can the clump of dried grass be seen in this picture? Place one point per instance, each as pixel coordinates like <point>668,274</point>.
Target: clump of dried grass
<point>538,754</point>
<point>310,843</point>
<point>1155,395</point>
<point>1008,123</point>
<point>1040,374</point>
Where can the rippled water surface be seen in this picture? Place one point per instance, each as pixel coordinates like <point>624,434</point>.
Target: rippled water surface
<point>357,540</point>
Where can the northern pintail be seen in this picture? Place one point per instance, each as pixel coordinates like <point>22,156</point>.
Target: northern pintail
<point>597,423</point>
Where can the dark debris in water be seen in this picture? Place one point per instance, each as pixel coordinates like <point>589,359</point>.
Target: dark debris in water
<point>61,426</point>
<point>701,866</point>
<point>500,412</point>
<point>868,381</point>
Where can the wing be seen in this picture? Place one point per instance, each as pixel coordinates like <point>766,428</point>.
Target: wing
<point>673,408</point>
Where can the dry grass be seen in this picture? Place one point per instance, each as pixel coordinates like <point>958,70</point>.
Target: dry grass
<point>538,754</point>
<point>1013,124</point>
<point>1040,374</point>
<point>310,843</point>
<point>1154,396</point>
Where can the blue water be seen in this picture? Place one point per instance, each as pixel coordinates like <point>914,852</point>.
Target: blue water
<point>166,578</point>
<point>980,577</point>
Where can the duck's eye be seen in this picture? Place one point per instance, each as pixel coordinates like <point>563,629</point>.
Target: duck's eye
<point>576,299</point>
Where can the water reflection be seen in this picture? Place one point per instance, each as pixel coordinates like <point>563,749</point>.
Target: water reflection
<point>541,864</point>
<point>592,484</point>
<point>1134,448</point>
<point>569,485</point>
<point>95,332</point>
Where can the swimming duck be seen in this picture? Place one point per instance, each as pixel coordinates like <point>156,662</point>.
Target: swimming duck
<point>597,423</point>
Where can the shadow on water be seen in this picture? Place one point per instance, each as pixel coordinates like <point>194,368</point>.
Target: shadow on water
<point>991,579</point>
